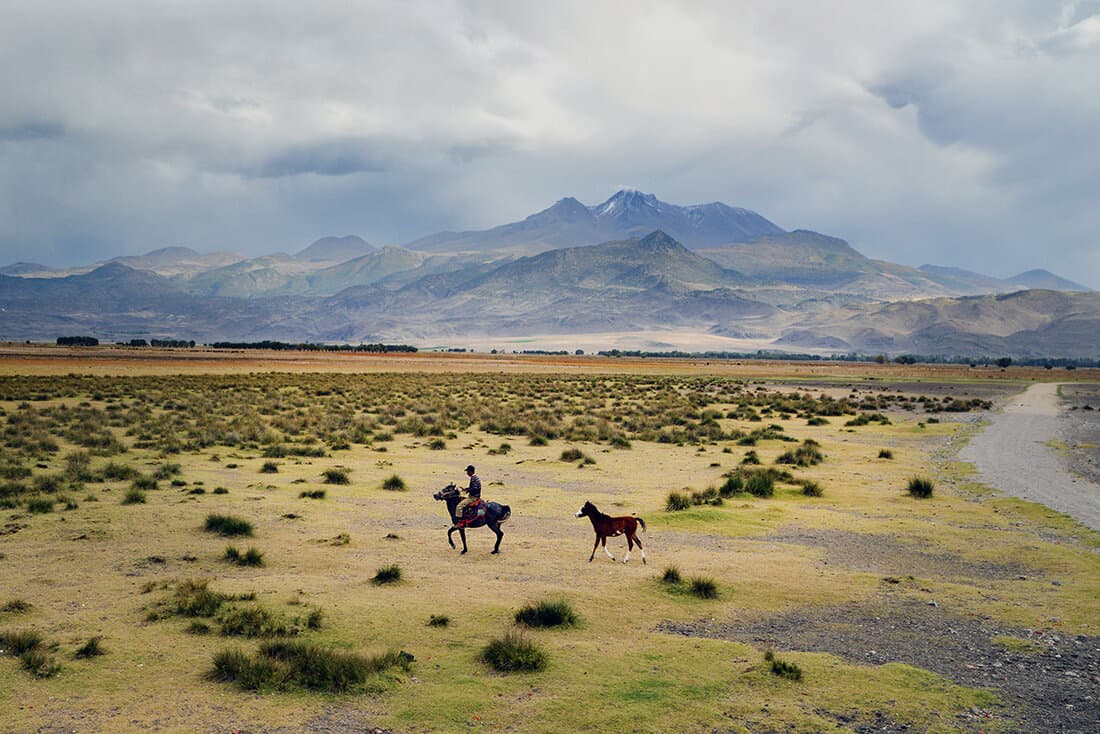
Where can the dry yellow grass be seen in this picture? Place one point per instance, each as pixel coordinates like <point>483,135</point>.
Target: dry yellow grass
<point>86,571</point>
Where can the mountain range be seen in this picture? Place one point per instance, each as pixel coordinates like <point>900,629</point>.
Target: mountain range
<point>632,264</point>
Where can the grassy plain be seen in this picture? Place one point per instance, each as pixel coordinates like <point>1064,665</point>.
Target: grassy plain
<point>93,566</point>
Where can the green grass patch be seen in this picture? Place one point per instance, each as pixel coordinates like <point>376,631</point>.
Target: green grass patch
<point>336,476</point>
<point>133,496</point>
<point>251,557</point>
<point>387,575</point>
<point>227,525</point>
<point>782,668</point>
<point>920,487</point>
<point>393,483</point>
<point>90,649</point>
<point>290,664</point>
<point>514,653</point>
<point>547,613</point>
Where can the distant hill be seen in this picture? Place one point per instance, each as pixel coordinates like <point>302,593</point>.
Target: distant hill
<point>628,213</point>
<point>966,282</point>
<point>22,268</point>
<point>177,260</point>
<point>1032,323</point>
<point>335,249</point>
<point>1046,280</point>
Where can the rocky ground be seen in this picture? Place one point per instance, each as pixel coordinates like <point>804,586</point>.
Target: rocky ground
<point>1081,429</point>
<point>1052,687</point>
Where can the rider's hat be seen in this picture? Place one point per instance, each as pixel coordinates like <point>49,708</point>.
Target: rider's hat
<point>470,469</point>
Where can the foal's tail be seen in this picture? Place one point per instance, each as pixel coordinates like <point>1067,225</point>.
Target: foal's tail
<point>640,522</point>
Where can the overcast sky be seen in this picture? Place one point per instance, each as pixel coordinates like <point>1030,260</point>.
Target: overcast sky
<point>954,133</point>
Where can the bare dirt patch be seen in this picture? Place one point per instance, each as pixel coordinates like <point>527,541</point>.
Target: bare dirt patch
<point>1081,429</point>
<point>885,555</point>
<point>1054,688</point>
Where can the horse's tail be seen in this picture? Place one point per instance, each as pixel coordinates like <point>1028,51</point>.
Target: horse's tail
<point>640,522</point>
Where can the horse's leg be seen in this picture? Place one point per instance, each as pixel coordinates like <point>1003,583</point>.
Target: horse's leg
<point>633,537</point>
<point>495,527</point>
<point>594,547</point>
<point>629,547</point>
<point>605,550</point>
<point>449,538</point>
<point>462,534</point>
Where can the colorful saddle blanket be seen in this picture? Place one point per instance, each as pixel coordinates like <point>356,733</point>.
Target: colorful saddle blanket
<point>474,511</point>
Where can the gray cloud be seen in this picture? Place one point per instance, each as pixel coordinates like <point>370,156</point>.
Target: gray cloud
<point>959,134</point>
<point>33,130</point>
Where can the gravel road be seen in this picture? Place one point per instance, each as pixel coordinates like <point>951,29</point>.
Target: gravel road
<point>1012,454</point>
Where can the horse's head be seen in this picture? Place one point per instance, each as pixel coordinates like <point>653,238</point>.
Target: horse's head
<point>587,509</point>
<point>447,492</point>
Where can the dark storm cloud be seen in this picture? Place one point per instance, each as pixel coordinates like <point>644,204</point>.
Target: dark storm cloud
<point>958,134</point>
<point>329,158</point>
<point>32,130</point>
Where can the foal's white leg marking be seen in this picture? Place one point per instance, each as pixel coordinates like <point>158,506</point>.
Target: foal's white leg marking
<point>627,558</point>
<point>643,553</point>
<point>605,550</point>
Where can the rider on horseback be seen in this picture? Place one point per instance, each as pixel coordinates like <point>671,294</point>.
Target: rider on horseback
<point>473,493</point>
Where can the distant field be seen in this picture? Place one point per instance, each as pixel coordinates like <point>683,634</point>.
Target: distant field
<point>113,465</point>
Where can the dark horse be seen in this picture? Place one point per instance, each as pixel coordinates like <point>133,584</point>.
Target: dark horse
<point>495,514</point>
<point>608,527</point>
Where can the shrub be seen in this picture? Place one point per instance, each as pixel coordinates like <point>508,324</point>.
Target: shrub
<point>116,471</point>
<point>336,476</point>
<point>198,627</point>
<point>782,668</point>
<point>513,652</point>
<point>572,454</point>
<point>251,557</point>
<point>90,649</point>
<point>620,442</point>
<point>671,576</point>
<point>555,613</point>
<point>760,484</point>
<point>750,458</point>
<point>817,421</point>
<point>315,619</point>
<point>439,620</point>
<point>283,664</point>
<point>387,575</point>
<point>269,467</point>
<point>808,454</point>
<point>920,487</point>
<point>39,663</point>
<point>812,489</point>
<point>437,444</point>
<point>16,606</point>
<point>221,490</point>
<point>227,525</point>
<point>703,587</point>
<point>17,643</point>
<point>538,440</point>
<point>142,482</point>
<point>194,598</point>
<point>254,621</point>
<point>885,454</point>
<point>312,494</point>
<point>165,471</point>
<point>133,496</point>
<point>394,483</point>
<point>39,505</point>
<point>677,501</point>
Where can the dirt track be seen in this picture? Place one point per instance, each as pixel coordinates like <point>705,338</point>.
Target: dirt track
<point>1013,455</point>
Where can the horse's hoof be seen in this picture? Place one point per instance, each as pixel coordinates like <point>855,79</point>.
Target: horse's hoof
<point>493,553</point>
<point>462,553</point>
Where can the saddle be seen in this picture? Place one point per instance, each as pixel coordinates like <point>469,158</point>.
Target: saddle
<point>472,513</point>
